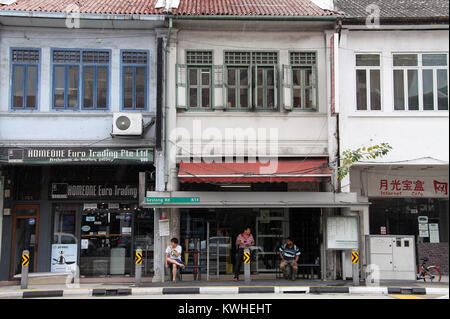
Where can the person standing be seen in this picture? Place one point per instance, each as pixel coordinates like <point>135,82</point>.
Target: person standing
<point>243,241</point>
<point>289,254</point>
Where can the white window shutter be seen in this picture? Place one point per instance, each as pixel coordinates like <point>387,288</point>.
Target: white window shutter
<point>275,85</point>
<point>286,87</point>
<point>219,87</point>
<point>181,84</point>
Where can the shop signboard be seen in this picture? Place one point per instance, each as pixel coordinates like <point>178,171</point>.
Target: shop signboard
<point>93,191</point>
<point>76,155</point>
<point>407,186</point>
<point>342,232</point>
<point>64,258</point>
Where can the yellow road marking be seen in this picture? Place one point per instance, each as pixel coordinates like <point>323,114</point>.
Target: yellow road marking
<point>406,297</point>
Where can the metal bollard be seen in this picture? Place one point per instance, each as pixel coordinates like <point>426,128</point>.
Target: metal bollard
<point>138,269</point>
<point>25,264</point>
<point>355,268</point>
<point>247,265</point>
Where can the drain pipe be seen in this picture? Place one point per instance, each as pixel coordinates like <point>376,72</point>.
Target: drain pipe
<point>166,142</point>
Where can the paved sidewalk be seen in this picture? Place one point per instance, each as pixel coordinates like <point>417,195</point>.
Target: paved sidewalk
<point>224,287</point>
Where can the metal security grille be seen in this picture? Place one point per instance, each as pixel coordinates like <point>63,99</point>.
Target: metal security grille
<point>134,57</point>
<point>95,57</point>
<point>199,57</point>
<point>303,58</point>
<point>66,56</point>
<point>29,56</point>
<point>246,58</point>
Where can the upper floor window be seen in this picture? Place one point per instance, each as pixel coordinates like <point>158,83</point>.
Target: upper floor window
<point>251,80</point>
<point>304,84</point>
<point>80,77</point>
<point>24,78</point>
<point>134,79</point>
<point>420,81</point>
<point>199,67</point>
<point>368,82</point>
<point>299,82</point>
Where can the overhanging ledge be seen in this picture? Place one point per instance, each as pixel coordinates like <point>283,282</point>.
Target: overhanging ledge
<point>250,200</point>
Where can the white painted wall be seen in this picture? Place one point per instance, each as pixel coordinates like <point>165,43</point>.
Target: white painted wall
<point>412,134</point>
<point>300,133</point>
<point>47,124</point>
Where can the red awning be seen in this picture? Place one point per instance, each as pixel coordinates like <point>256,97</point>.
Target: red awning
<point>303,170</point>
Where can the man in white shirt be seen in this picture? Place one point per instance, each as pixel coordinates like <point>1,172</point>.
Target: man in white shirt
<point>173,257</point>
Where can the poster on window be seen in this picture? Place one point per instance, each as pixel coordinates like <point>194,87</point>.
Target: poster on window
<point>407,186</point>
<point>64,258</point>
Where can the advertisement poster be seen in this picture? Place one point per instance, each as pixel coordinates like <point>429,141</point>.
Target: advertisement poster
<point>342,233</point>
<point>164,229</point>
<point>434,232</point>
<point>64,258</point>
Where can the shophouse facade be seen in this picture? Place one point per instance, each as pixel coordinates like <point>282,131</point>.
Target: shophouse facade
<point>69,163</point>
<point>393,88</point>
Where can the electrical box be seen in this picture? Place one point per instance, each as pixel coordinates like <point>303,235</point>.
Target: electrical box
<point>394,257</point>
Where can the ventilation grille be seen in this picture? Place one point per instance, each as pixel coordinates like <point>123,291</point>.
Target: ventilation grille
<point>199,57</point>
<point>66,56</point>
<point>95,56</point>
<point>260,58</point>
<point>303,58</point>
<point>131,57</point>
<point>30,56</point>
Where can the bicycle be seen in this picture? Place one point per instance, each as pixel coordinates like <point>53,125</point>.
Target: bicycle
<point>431,272</point>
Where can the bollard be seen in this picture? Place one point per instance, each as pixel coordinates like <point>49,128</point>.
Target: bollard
<point>138,269</point>
<point>355,268</point>
<point>25,265</point>
<point>247,265</point>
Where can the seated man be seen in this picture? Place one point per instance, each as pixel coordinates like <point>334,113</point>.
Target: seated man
<point>289,254</point>
<point>173,257</point>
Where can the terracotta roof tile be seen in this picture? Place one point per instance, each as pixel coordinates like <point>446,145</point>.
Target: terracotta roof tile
<point>186,7</point>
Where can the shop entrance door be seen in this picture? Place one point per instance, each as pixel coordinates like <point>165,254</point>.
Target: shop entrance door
<point>24,237</point>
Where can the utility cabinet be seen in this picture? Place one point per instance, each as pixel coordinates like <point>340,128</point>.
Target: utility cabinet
<point>393,256</point>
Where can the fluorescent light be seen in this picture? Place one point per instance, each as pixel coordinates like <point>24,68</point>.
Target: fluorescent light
<point>236,186</point>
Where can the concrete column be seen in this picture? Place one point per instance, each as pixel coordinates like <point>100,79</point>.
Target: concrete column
<point>175,223</point>
<point>157,249</point>
<point>2,187</point>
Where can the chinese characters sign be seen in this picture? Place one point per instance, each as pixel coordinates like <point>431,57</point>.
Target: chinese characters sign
<point>407,186</point>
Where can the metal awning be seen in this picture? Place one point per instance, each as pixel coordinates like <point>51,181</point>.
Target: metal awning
<point>302,170</point>
<point>250,200</point>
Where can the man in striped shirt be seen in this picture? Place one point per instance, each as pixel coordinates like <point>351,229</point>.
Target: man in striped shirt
<point>289,254</point>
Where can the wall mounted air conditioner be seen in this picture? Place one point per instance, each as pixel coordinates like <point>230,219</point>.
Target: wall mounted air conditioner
<point>127,124</point>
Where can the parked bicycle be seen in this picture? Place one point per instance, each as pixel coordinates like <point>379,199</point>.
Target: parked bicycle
<point>429,272</point>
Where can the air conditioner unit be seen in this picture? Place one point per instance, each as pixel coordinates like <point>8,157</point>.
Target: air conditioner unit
<point>127,124</point>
